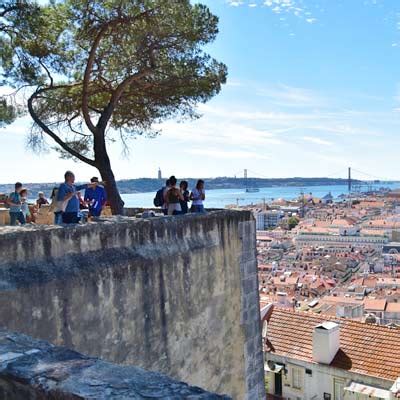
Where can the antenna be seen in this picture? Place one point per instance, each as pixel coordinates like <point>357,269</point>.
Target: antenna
<point>349,180</point>
<point>302,203</point>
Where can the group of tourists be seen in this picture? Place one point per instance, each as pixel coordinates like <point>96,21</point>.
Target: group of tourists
<point>174,200</point>
<point>70,207</point>
<point>17,201</point>
<point>20,210</point>
<point>67,202</point>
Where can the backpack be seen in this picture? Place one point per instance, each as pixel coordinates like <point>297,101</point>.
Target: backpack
<point>159,199</point>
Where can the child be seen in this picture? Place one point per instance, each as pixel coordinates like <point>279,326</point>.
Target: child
<point>24,204</point>
<point>41,201</point>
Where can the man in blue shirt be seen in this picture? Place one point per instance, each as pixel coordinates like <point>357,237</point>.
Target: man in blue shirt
<point>95,196</point>
<point>14,201</point>
<point>68,199</point>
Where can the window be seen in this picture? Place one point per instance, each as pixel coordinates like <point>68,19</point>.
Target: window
<point>297,378</point>
<point>338,389</point>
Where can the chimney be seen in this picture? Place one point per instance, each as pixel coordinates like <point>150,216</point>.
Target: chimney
<point>326,342</point>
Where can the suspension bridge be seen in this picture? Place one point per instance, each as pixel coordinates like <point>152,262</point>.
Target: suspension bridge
<point>357,181</point>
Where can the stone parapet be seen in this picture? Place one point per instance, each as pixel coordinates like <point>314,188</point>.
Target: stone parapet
<point>177,295</point>
<point>34,369</point>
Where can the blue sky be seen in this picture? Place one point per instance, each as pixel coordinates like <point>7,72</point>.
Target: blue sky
<point>313,88</point>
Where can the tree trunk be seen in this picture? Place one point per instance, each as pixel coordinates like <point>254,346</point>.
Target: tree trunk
<point>113,196</point>
<point>103,164</point>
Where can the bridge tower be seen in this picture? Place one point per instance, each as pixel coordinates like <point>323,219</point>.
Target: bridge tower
<point>349,180</point>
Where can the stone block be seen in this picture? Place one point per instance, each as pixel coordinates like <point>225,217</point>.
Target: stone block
<point>30,368</point>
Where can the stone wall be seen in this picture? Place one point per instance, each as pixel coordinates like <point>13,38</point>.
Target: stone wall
<point>175,295</point>
<point>33,369</point>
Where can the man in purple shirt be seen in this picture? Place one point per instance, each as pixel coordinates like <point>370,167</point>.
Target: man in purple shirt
<point>96,197</point>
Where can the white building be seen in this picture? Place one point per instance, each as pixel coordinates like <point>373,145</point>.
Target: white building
<point>315,357</point>
<point>306,239</point>
<point>392,313</point>
<point>268,219</point>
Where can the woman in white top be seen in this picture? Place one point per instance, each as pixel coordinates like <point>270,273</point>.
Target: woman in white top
<point>197,196</point>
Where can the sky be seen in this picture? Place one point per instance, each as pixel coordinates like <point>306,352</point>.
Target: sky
<point>313,88</point>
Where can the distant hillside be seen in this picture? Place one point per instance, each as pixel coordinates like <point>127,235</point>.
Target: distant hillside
<point>143,185</point>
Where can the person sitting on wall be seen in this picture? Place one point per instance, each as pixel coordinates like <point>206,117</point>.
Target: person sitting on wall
<point>41,201</point>
<point>67,194</point>
<point>95,197</point>
<point>14,202</point>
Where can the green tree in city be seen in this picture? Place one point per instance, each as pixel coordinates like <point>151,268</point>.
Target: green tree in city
<point>292,222</point>
<point>100,71</point>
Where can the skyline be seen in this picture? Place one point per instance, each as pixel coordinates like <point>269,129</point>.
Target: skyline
<point>312,89</point>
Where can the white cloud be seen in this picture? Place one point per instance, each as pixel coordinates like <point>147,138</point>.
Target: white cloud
<point>317,140</point>
<point>212,129</point>
<point>235,3</point>
<point>294,7</point>
<point>286,6</point>
<point>227,154</point>
<point>289,96</point>
<point>233,83</point>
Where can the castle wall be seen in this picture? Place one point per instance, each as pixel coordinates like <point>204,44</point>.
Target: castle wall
<point>174,295</point>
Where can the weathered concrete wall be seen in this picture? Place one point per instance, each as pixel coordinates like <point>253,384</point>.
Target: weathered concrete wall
<point>34,369</point>
<point>176,295</point>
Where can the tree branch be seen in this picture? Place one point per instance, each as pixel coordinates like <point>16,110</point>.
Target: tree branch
<point>47,72</point>
<point>116,95</point>
<point>69,122</point>
<point>56,138</point>
<point>91,59</point>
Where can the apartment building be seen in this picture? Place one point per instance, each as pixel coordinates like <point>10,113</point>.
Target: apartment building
<point>268,219</point>
<point>317,357</point>
<point>308,237</point>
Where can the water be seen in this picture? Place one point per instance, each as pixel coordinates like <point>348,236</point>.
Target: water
<point>219,198</point>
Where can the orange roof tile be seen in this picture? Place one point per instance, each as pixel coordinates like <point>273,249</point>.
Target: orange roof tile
<point>393,307</point>
<point>375,304</point>
<point>369,282</point>
<point>340,300</point>
<point>342,222</point>
<point>364,349</point>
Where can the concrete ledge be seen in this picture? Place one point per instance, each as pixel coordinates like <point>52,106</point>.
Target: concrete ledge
<point>18,245</point>
<point>34,369</point>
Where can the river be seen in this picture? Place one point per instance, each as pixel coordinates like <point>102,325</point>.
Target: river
<point>219,198</point>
